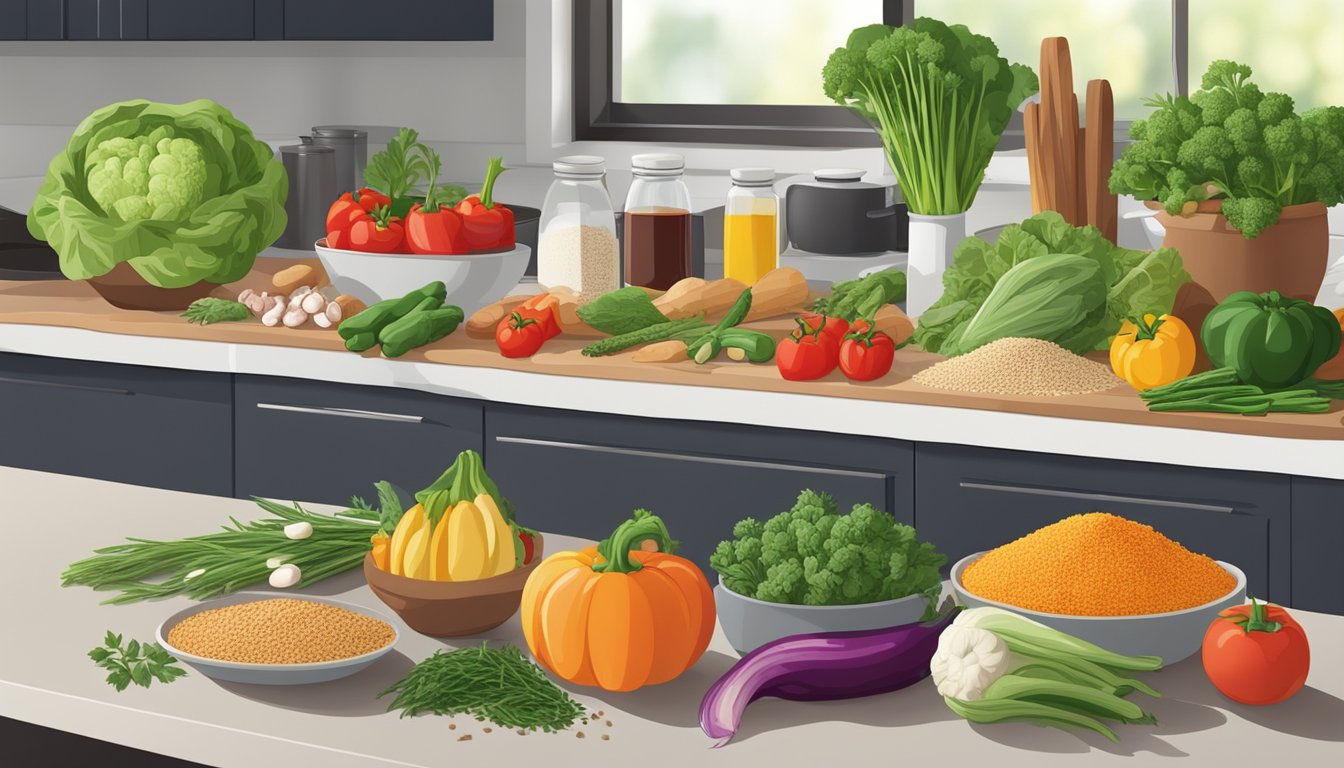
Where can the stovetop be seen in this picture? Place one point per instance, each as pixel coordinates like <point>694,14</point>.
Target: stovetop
<point>23,257</point>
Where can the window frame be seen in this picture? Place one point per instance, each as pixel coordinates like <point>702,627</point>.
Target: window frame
<point>597,116</point>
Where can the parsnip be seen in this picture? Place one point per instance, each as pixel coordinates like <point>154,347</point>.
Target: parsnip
<point>482,323</point>
<point>780,291</point>
<point>671,351</point>
<point>893,322</point>
<point>693,296</point>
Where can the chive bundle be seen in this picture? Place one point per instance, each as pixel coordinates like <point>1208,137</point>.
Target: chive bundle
<point>206,566</point>
<point>495,684</point>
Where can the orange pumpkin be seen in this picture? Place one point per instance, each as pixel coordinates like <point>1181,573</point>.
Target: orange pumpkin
<point>639,618</point>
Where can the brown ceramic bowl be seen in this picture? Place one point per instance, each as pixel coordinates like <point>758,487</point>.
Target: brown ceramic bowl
<point>123,287</point>
<point>452,608</point>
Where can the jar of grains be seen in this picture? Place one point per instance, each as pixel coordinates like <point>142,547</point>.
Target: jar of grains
<point>576,244</point>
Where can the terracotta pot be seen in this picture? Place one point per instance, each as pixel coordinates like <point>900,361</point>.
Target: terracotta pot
<point>452,608</point>
<point>1290,257</point>
<point>124,287</point>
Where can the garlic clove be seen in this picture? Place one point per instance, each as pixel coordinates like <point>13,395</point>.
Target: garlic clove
<point>313,303</point>
<point>295,317</point>
<point>285,576</point>
<point>300,530</point>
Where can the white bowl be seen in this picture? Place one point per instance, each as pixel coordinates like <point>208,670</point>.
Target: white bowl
<point>1173,636</point>
<point>749,623</point>
<point>273,674</point>
<point>473,279</point>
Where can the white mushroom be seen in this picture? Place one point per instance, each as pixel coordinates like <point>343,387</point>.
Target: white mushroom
<point>321,321</point>
<point>272,314</point>
<point>285,576</point>
<point>329,316</point>
<point>334,312</point>
<point>313,302</point>
<point>294,317</point>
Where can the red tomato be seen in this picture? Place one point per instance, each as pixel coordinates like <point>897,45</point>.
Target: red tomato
<point>350,206</point>
<point>529,546</point>
<point>519,336</point>
<point>833,328</point>
<point>368,234</point>
<point>1256,654</point>
<point>808,353</point>
<point>865,356</point>
<point>439,232</point>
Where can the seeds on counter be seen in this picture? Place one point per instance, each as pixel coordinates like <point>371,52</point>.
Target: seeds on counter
<point>280,631</point>
<point>1018,366</point>
<point>1097,564</point>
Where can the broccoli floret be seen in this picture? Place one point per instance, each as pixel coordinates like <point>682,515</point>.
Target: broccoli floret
<point>811,555</point>
<point>142,177</point>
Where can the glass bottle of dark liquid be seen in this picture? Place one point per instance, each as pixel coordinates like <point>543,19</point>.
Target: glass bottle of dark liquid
<point>657,223</point>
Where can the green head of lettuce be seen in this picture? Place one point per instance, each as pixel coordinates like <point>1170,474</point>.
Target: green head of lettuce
<point>181,192</point>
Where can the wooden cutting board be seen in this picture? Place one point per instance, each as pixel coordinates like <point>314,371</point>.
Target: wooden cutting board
<point>75,305</point>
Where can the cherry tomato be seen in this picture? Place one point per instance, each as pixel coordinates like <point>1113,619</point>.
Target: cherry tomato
<point>833,328</point>
<point>1256,654</point>
<point>519,336</point>
<point>808,353</point>
<point>866,355</point>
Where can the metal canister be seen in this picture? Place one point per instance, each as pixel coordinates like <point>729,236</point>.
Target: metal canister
<point>352,153</point>
<point>312,188</point>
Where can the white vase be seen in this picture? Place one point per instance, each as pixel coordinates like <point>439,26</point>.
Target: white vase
<point>932,241</point>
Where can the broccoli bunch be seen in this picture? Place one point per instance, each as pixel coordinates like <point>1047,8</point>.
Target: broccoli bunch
<point>1232,142</point>
<point>155,176</point>
<point>811,555</point>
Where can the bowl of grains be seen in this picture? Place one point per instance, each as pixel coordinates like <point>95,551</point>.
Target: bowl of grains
<point>251,637</point>
<point>1113,582</point>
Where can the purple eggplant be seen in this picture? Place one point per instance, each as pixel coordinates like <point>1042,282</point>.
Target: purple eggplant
<point>823,666</point>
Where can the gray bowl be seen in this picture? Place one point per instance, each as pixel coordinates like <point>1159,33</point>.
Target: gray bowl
<point>1173,636</point>
<point>749,623</point>
<point>473,279</point>
<point>273,674</point>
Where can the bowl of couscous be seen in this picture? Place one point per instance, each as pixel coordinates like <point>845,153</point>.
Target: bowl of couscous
<point>1107,580</point>
<point>269,639</point>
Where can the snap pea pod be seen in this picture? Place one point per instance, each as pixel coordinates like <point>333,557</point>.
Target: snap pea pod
<point>709,345</point>
<point>425,325</point>
<point>659,332</point>
<point>361,331</point>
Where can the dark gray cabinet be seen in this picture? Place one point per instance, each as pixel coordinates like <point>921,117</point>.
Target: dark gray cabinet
<point>131,424</point>
<point>1318,540</point>
<point>584,473</point>
<point>972,499</point>
<point>439,20</point>
<point>321,442</point>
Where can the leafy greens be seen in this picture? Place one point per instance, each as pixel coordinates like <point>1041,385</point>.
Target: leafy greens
<point>1136,282</point>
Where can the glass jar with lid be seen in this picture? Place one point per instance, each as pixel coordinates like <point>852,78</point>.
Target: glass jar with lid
<point>576,236</point>
<point>657,222</point>
<point>751,225</point>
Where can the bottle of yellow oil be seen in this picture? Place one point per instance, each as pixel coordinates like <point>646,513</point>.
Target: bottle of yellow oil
<point>751,225</point>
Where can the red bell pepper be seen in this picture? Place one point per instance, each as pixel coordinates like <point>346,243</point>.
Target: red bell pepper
<point>439,232</point>
<point>809,352</point>
<point>348,209</point>
<point>377,232</point>
<point>486,224</point>
<point>866,354</point>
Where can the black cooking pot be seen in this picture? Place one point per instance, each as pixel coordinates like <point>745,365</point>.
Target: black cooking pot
<point>837,213</point>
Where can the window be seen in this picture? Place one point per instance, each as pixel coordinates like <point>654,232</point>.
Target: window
<point>748,71</point>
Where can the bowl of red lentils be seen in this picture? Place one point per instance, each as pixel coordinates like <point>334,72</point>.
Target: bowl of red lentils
<point>259,638</point>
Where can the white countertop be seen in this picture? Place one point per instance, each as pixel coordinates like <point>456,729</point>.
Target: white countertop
<point>45,678</point>
<point>906,421</point>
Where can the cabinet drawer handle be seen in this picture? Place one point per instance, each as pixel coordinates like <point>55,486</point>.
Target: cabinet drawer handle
<point>348,413</point>
<point>1096,497</point>
<point>686,457</point>
<point>62,385</point>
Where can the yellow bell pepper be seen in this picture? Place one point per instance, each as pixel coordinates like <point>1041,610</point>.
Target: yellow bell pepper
<point>1153,351</point>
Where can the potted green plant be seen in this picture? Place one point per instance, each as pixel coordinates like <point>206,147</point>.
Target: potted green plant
<point>1242,183</point>
<point>939,97</point>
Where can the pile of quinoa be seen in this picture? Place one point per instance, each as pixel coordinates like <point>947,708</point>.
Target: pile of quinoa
<point>1016,366</point>
<point>280,631</point>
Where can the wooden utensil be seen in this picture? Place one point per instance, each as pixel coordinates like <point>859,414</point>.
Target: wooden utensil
<point>1098,158</point>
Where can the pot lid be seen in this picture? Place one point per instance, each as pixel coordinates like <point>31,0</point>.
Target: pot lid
<point>839,178</point>
<point>838,174</point>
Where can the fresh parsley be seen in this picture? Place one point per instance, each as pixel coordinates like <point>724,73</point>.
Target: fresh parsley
<point>135,663</point>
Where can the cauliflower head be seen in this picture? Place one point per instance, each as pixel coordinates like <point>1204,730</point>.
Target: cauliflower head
<point>156,176</point>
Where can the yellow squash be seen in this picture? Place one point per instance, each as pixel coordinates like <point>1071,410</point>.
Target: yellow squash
<point>412,521</point>
<point>500,536</point>
<point>1153,351</point>
<point>417,554</point>
<point>468,550</point>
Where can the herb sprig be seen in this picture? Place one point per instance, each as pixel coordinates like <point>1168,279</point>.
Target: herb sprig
<point>496,684</point>
<point>137,662</point>
<point>215,310</point>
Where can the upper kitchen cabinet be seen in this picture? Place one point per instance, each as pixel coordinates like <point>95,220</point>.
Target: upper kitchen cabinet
<point>439,20</point>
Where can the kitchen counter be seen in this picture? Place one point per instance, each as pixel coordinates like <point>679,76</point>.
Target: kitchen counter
<point>66,319</point>
<point>46,679</point>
